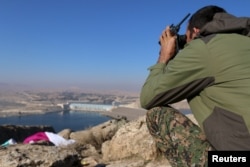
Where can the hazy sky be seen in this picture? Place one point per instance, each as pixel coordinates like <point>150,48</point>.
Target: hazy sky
<point>98,43</point>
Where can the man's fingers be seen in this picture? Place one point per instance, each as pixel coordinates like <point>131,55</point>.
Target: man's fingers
<point>163,35</point>
<point>168,32</point>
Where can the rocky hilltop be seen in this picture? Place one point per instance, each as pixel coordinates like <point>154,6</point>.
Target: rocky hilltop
<point>112,144</point>
<point>116,143</point>
<point>38,102</point>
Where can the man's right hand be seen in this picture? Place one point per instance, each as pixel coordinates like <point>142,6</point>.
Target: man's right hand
<point>168,43</point>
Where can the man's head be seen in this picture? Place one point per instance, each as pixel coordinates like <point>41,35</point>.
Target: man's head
<point>200,18</point>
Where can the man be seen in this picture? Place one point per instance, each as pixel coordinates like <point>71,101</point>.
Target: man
<point>212,72</point>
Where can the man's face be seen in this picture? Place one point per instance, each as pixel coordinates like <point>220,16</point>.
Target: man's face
<point>191,34</point>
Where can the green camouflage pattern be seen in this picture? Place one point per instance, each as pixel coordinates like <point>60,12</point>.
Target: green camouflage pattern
<point>182,142</point>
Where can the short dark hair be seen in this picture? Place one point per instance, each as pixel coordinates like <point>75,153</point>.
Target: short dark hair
<point>203,16</point>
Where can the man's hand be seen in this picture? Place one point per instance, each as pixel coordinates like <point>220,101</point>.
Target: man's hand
<point>167,41</point>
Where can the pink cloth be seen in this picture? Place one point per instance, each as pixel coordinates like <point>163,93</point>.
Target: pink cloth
<point>36,137</point>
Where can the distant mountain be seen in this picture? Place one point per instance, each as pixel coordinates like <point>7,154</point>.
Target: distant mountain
<point>3,84</point>
<point>7,87</point>
<point>12,87</point>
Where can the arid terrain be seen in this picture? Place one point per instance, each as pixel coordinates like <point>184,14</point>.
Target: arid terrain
<point>25,101</point>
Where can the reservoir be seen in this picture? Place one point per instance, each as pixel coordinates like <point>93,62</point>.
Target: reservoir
<point>74,120</point>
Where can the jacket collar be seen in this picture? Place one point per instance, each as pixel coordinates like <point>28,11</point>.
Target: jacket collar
<point>226,23</point>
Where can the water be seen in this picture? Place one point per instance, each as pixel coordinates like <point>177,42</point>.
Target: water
<point>185,111</point>
<point>75,120</point>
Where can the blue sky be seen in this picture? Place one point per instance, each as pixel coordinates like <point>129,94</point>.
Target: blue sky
<point>99,44</point>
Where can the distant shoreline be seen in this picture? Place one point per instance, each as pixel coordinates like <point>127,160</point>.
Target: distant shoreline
<point>119,112</point>
<point>18,112</point>
<point>130,112</point>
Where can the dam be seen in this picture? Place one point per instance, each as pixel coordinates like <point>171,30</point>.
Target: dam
<point>83,106</point>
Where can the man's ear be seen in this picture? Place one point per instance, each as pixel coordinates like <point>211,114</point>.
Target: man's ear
<point>196,30</point>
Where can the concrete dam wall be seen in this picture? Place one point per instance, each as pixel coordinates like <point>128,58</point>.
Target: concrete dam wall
<point>90,107</point>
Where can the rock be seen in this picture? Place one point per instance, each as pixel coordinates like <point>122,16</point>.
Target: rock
<point>89,161</point>
<point>161,162</point>
<point>65,133</point>
<point>98,134</point>
<point>85,150</point>
<point>115,143</point>
<point>38,156</point>
<point>127,163</point>
<point>131,140</point>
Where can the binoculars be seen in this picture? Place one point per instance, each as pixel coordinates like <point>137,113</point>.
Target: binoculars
<point>181,39</point>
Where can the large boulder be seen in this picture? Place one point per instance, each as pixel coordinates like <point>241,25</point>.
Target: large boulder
<point>98,134</point>
<point>131,140</point>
